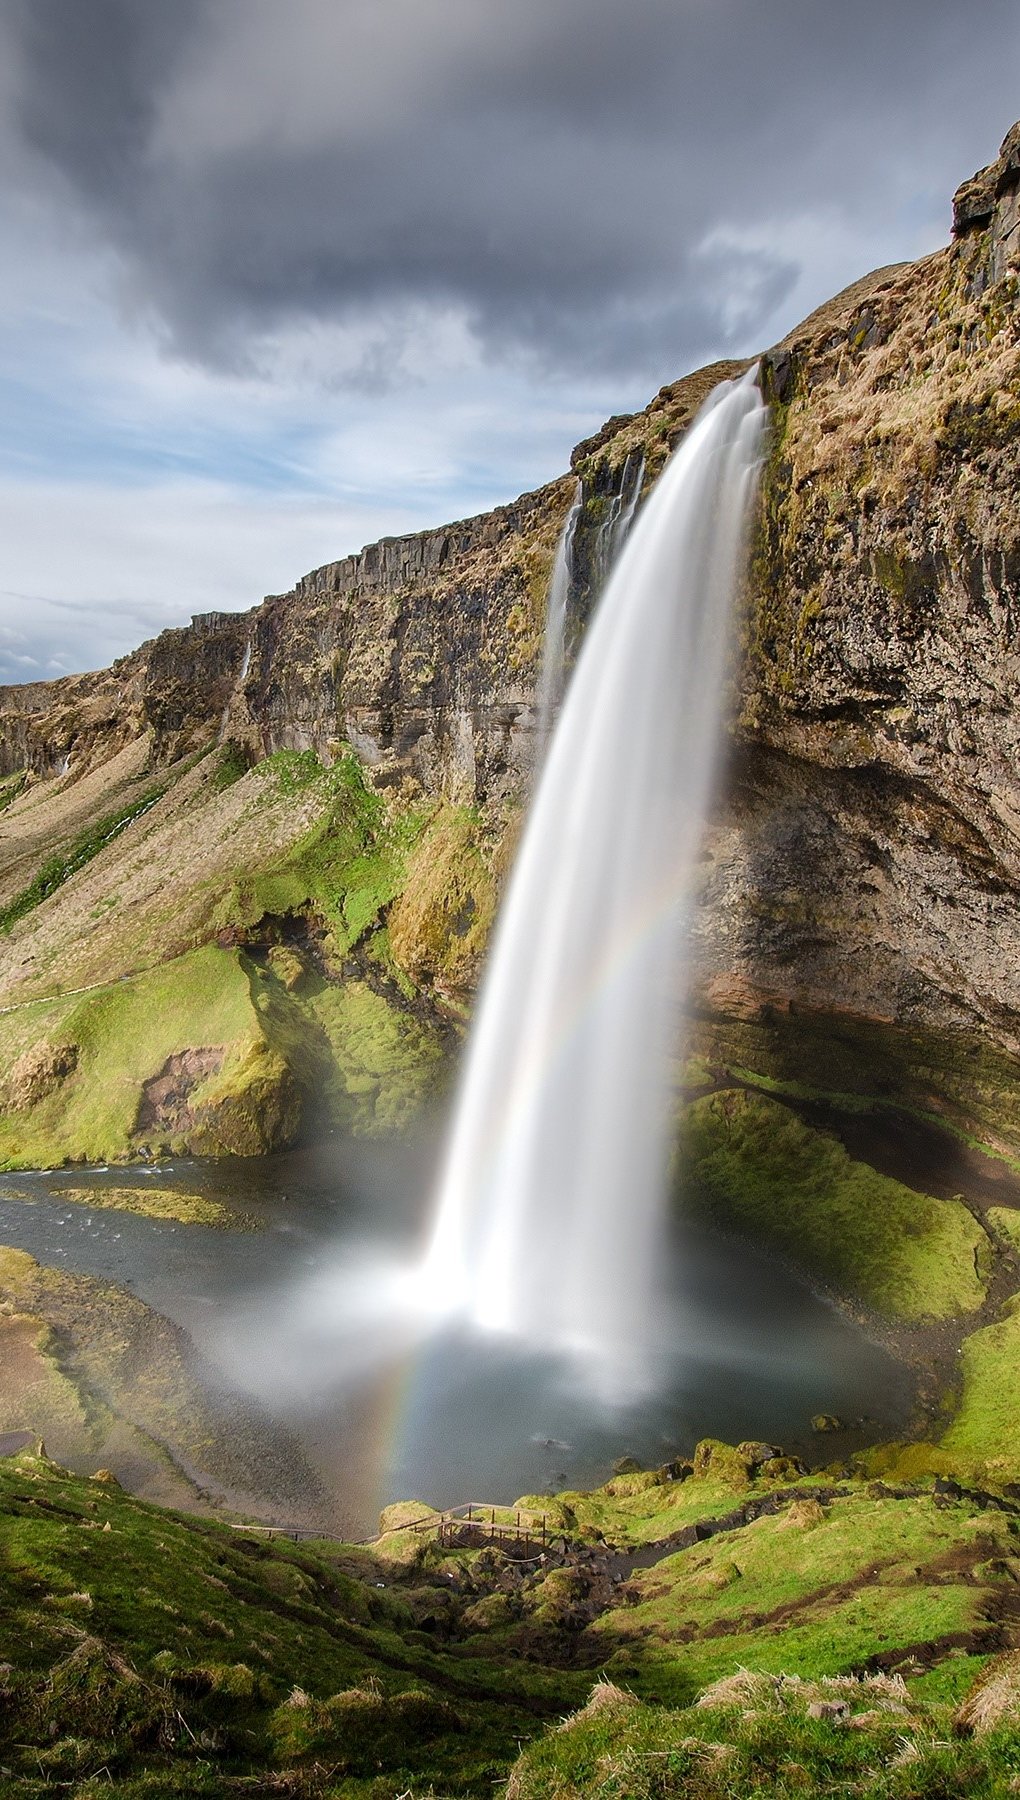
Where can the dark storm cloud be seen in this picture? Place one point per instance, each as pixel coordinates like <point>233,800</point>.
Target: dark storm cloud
<point>553,169</point>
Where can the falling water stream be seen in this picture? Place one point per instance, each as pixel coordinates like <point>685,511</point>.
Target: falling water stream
<point>550,1206</point>
<point>550,680</point>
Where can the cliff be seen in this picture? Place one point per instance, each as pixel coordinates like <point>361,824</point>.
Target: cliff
<point>858,934</point>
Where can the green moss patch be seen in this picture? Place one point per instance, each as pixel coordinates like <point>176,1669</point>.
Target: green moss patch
<point>154,1202</point>
<point>754,1167</point>
<point>124,1036</point>
<point>1006,1221</point>
<point>986,1428</point>
<point>348,865</point>
<point>439,926</point>
<point>385,1063</point>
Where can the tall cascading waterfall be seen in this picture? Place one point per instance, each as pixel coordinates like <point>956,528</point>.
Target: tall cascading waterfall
<point>550,680</point>
<point>551,1203</point>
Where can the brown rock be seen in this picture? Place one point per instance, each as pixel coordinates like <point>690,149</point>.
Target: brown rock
<point>39,1072</point>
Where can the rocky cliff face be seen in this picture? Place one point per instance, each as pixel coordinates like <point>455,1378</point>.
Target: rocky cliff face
<point>421,652</point>
<point>859,929</point>
<point>871,863</point>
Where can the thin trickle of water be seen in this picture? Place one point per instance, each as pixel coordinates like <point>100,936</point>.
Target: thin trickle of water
<point>550,681</point>
<point>550,1207</point>
<point>238,686</point>
<point>619,517</point>
<point>630,494</point>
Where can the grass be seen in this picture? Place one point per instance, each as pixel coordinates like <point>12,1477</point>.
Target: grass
<point>765,1742</point>
<point>176,1648</point>
<point>986,1429</point>
<point>124,1035</point>
<point>64,863</point>
<point>167,1651</point>
<point>816,1599</point>
<point>754,1167</point>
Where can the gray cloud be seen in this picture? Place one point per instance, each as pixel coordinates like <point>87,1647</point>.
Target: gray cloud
<point>550,168</point>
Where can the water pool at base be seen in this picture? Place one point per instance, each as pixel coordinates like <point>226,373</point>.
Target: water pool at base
<point>294,1318</point>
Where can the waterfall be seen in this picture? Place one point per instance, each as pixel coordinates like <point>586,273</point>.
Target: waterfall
<point>550,681</point>
<point>630,494</point>
<point>237,688</point>
<point>551,1201</point>
<point>619,517</point>
<point>611,537</point>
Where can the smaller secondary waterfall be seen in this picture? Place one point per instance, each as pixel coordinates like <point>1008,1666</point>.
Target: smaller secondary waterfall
<point>612,536</point>
<point>242,675</point>
<point>550,1205</point>
<point>619,517</point>
<point>550,681</point>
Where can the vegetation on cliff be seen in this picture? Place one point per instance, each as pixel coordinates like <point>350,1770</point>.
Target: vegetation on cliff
<point>236,960</point>
<point>753,1167</point>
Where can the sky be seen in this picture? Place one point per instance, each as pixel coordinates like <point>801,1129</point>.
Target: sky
<point>279,277</point>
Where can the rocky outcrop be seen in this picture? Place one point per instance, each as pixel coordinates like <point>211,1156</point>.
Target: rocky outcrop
<point>52,727</point>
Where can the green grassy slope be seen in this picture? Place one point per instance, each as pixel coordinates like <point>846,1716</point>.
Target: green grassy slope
<point>158,1655</point>
<point>303,934</point>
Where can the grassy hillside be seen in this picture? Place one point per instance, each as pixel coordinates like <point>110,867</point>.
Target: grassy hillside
<point>149,1654</point>
<point>230,957</point>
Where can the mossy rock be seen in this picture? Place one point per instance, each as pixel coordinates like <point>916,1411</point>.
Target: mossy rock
<point>753,1166</point>
<point>716,1461</point>
<point>494,1612</point>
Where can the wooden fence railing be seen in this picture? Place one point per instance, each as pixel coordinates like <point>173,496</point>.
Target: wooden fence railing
<point>455,1526</point>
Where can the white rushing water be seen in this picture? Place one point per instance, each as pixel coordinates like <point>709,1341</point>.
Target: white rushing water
<point>630,494</point>
<point>550,680</point>
<point>551,1201</point>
